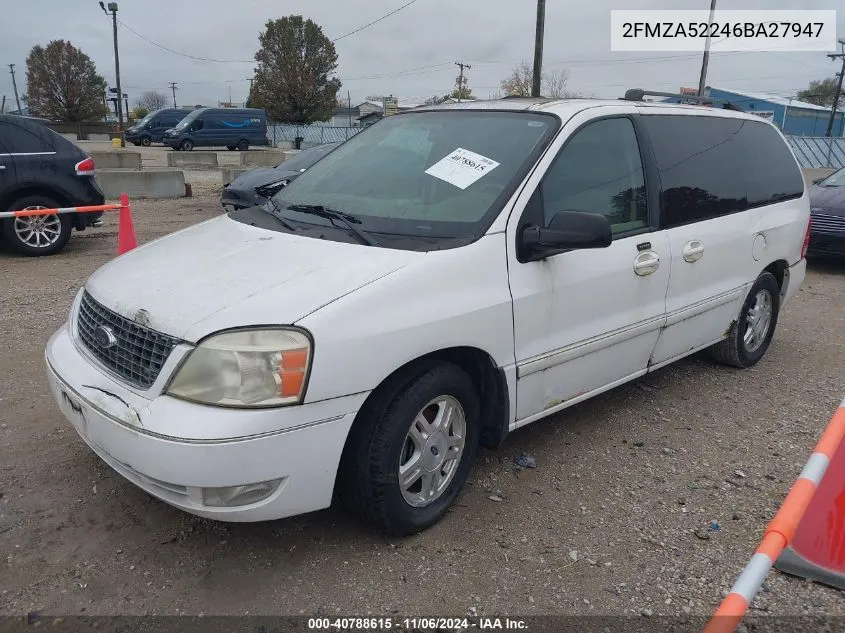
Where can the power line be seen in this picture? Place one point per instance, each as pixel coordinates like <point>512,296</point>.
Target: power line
<point>170,50</point>
<point>384,17</point>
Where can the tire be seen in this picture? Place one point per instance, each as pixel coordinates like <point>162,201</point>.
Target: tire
<point>146,142</point>
<point>369,475</point>
<point>745,344</point>
<point>37,236</point>
<point>243,145</point>
<point>187,145</point>
<point>231,148</point>
<point>136,143</point>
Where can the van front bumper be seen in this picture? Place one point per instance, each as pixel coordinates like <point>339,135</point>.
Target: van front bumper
<point>261,477</point>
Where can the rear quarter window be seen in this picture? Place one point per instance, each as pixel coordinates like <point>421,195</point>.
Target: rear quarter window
<point>712,166</point>
<point>26,138</point>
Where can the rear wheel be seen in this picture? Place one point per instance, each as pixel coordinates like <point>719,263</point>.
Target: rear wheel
<point>146,141</point>
<point>243,145</point>
<point>37,235</point>
<point>411,451</point>
<point>187,145</point>
<point>752,332</point>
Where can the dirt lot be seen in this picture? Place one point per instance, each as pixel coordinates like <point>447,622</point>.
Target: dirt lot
<point>606,523</point>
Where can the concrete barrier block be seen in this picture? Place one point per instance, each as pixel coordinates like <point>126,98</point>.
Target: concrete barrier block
<point>228,174</point>
<point>160,183</point>
<point>195,160</point>
<point>116,160</point>
<point>269,158</point>
<point>99,137</point>
<point>814,174</point>
<point>71,136</point>
<point>284,144</point>
<point>291,153</point>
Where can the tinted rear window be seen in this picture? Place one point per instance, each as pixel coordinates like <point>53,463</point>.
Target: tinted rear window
<point>712,166</point>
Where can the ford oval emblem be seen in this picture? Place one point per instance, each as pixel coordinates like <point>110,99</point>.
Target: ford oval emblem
<point>104,337</point>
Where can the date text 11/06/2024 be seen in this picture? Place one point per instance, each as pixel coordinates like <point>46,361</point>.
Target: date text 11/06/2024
<point>415,624</point>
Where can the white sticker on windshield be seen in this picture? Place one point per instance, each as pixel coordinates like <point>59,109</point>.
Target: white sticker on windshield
<point>462,168</point>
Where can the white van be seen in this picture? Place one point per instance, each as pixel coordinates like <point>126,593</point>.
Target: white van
<point>444,277</point>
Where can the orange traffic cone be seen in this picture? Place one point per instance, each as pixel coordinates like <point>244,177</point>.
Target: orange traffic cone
<point>126,240</point>
<point>817,550</point>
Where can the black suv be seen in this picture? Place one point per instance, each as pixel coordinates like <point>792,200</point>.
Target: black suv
<point>39,168</point>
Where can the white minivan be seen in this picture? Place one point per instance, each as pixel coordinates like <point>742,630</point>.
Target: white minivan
<point>444,277</point>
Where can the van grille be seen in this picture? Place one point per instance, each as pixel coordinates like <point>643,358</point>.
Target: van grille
<point>139,353</point>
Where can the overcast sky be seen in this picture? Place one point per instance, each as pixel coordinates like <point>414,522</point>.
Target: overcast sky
<point>410,54</point>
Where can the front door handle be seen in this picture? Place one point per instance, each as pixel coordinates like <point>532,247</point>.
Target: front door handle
<point>693,251</point>
<point>646,263</point>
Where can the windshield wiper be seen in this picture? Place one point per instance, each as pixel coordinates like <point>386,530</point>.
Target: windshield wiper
<point>330,214</point>
<point>276,216</point>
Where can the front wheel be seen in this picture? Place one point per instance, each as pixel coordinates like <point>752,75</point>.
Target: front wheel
<point>411,452</point>
<point>37,235</point>
<point>187,145</point>
<point>752,332</point>
<point>146,141</point>
<point>231,148</point>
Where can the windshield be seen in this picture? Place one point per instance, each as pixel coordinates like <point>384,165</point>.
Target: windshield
<point>836,179</point>
<point>307,157</point>
<point>145,120</point>
<point>437,176</point>
<point>188,119</point>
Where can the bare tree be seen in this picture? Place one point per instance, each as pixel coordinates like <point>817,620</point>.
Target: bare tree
<point>519,82</point>
<point>153,100</point>
<point>554,84</point>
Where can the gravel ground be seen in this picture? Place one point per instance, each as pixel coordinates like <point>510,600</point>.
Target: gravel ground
<point>613,520</point>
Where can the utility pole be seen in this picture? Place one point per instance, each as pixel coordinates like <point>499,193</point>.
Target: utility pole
<point>349,107</point>
<point>838,95</point>
<point>702,80</point>
<point>538,48</point>
<point>173,88</point>
<point>113,9</point>
<point>461,81</point>
<point>15,86</point>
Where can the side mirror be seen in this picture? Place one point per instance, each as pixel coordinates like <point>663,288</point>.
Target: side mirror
<point>568,230</point>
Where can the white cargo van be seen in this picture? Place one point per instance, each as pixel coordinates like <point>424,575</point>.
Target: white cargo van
<point>444,277</point>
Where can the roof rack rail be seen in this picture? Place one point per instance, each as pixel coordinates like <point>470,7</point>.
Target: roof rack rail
<point>637,94</point>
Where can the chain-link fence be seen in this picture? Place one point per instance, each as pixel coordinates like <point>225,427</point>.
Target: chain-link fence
<point>311,134</point>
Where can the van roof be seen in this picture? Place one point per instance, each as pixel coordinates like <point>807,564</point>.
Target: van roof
<point>231,110</point>
<point>566,108</point>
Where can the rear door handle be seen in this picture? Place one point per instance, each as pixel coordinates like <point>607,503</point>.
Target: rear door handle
<point>646,263</point>
<point>693,251</point>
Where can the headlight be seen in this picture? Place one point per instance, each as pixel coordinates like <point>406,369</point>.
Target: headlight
<point>246,368</point>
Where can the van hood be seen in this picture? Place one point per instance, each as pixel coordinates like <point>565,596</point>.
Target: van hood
<point>223,274</point>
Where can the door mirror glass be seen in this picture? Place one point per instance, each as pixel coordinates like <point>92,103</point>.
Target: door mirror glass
<point>568,230</point>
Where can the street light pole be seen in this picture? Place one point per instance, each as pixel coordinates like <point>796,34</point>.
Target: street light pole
<point>113,9</point>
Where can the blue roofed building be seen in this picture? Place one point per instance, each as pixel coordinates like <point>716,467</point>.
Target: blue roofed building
<point>793,117</point>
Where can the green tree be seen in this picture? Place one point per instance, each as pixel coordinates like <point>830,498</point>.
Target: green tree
<point>464,93</point>
<point>63,84</point>
<point>140,112</point>
<point>822,92</point>
<point>294,79</point>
